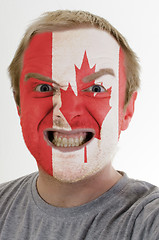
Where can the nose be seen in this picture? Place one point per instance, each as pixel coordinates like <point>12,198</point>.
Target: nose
<point>56,108</point>
<point>69,108</point>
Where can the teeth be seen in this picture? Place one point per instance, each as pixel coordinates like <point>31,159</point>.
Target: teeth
<point>76,142</point>
<point>68,142</point>
<point>81,139</point>
<point>55,137</point>
<point>64,141</point>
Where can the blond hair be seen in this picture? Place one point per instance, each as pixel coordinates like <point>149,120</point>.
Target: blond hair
<point>64,19</point>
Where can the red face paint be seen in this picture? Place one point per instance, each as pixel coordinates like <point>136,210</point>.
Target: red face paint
<point>122,88</point>
<point>36,108</point>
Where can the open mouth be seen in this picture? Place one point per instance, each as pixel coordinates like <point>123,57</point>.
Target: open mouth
<point>68,140</point>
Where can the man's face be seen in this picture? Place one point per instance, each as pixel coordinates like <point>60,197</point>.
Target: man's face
<point>72,91</point>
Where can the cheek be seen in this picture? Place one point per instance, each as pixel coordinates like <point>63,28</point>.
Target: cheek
<point>33,111</point>
<point>99,109</point>
<point>37,115</point>
<point>33,108</point>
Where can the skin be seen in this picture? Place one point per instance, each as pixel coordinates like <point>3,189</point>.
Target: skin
<point>66,177</point>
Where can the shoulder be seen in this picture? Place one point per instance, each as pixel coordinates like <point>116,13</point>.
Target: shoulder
<point>146,194</point>
<point>147,222</point>
<point>10,189</point>
<point>146,211</point>
<point>139,191</point>
<point>141,211</point>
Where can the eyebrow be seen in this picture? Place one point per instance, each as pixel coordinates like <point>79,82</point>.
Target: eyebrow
<point>89,78</point>
<point>39,77</point>
<point>101,72</point>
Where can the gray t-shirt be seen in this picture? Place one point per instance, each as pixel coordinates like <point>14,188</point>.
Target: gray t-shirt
<point>129,210</point>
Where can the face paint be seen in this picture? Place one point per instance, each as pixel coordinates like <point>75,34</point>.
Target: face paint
<point>82,108</point>
<point>36,107</point>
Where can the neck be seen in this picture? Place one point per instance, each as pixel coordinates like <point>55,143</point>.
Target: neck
<point>67,195</point>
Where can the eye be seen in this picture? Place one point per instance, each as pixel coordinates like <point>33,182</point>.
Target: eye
<point>95,88</point>
<point>43,88</point>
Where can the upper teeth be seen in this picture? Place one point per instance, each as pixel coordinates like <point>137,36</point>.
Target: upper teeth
<point>62,141</point>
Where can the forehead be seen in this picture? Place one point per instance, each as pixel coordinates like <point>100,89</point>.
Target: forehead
<point>63,50</point>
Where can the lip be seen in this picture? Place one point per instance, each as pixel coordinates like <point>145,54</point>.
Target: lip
<point>75,131</point>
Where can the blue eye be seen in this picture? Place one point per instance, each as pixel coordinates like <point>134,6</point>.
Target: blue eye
<point>43,88</point>
<point>95,89</point>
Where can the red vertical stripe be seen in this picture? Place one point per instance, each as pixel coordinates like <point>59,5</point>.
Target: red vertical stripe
<point>122,87</point>
<point>85,154</point>
<point>37,113</point>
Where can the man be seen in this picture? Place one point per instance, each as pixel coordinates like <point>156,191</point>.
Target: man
<point>75,82</point>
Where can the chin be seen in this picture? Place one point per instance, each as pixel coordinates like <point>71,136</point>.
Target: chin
<point>74,173</point>
<point>65,178</point>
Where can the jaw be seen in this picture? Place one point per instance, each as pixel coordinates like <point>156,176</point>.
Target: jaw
<point>68,141</point>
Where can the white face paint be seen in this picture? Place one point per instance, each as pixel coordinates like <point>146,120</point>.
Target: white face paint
<point>75,109</point>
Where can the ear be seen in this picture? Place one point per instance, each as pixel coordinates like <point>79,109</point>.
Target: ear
<point>128,112</point>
